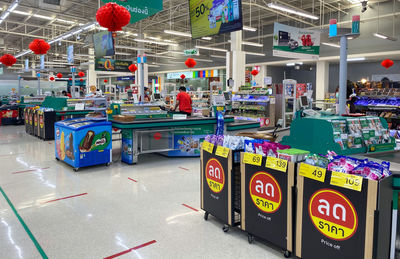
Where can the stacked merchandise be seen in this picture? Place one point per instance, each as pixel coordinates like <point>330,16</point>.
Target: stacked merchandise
<point>349,165</point>
<point>251,106</point>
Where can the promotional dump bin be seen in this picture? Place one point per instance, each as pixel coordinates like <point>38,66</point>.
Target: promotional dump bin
<point>46,124</point>
<point>342,215</point>
<point>267,187</point>
<point>83,142</point>
<point>220,184</point>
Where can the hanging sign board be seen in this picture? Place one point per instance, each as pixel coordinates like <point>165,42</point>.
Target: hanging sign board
<point>191,52</point>
<point>103,64</point>
<point>292,42</point>
<point>139,9</point>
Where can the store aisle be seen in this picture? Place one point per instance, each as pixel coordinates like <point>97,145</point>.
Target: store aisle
<point>149,210</point>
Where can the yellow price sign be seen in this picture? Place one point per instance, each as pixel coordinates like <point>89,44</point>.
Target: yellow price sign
<point>220,108</point>
<point>222,151</point>
<point>312,172</point>
<point>252,159</point>
<point>348,181</point>
<point>115,106</point>
<point>207,146</point>
<point>276,164</point>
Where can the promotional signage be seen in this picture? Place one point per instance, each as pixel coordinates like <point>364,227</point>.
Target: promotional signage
<point>70,54</point>
<point>211,17</point>
<point>267,201</point>
<point>139,9</point>
<point>126,78</point>
<point>292,42</point>
<point>103,44</point>
<point>193,74</point>
<point>215,175</point>
<point>103,64</point>
<point>191,52</point>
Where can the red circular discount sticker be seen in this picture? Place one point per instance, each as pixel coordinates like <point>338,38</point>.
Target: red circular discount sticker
<point>333,214</point>
<point>215,175</point>
<point>265,192</point>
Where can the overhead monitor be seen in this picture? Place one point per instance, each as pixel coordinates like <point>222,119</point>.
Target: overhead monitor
<point>157,96</point>
<point>103,44</point>
<point>212,17</point>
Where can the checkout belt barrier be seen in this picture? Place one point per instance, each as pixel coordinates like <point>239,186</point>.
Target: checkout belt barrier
<point>323,215</point>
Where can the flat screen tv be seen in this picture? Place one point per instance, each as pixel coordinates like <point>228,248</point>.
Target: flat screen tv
<point>103,44</point>
<point>213,17</point>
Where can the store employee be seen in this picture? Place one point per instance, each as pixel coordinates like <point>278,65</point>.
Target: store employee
<point>184,101</point>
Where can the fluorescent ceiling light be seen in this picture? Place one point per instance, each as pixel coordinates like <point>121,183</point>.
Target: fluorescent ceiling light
<point>169,41</point>
<point>129,47</point>
<point>255,53</point>
<point>123,54</point>
<point>355,1</point>
<point>64,21</point>
<point>249,43</point>
<point>153,38</point>
<point>204,60</point>
<point>248,28</point>
<point>21,12</point>
<point>43,17</point>
<point>9,10</point>
<point>331,44</point>
<point>206,38</point>
<point>179,33</point>
<point>293,64</point>
<point>355,59</point>
<point>292,10</point>
<point>217,56</point>
<point>211,48</point>
<point>385,37</point>
<point>156,42</point>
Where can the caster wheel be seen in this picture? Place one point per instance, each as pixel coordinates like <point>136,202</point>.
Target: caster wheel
<point>286,254</point>
<point>225,228</point>
<point>250,237</point>
<point>108,164</point>
<point>76,169</point>
<point>57,159</point>
<point>206,215</point>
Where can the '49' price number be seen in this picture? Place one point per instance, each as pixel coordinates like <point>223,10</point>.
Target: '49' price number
<point>312,172</point>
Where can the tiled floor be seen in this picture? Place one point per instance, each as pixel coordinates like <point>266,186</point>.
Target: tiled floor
<point>112,213</point>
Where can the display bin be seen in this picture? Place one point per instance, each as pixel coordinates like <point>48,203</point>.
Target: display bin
<point>83,142</point>
<point>46,124</point>
<point>342,215</point>
<point>220,184</point>
<point>30,120</point>
<point>36,122</point>
<point>26,117</point>
<point>268,198</point>
<point>9,115</point>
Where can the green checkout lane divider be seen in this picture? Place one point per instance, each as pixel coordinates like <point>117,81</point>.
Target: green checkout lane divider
<point>27,230</point>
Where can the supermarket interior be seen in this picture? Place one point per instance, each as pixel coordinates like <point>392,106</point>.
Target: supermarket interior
<point>200,129</point>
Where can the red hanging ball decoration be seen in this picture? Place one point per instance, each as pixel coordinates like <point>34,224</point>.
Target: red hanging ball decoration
<point>39,46</point>
<point>59,75</point>
<point>105,81</point>
<point>190,63</point>
<point>81,74</point>
<point>132,68</point>
<point>254,72</point>
<point>183,76</point>
<point>81,80</point>
<point>70,79</point>
<point>51,78</point>
<point>113,16</point>
<point>8,60</point>
<point>387,63</point>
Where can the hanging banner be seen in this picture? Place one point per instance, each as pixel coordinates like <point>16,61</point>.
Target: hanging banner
<point>42,62</point>
<point>26,64</point>
<point>139,9</point>
<point>212,17</point>
<point>292,42</point>
<point>70,54</point>
<point>103,64</point>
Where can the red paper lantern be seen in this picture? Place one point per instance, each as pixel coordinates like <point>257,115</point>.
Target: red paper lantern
<point>190,63</point>
<point>81,74</point>
<point>81,80</point>
<point>8,60</point>
<point>59,75</point>
<point>387,63</point>
<point>254,72</point>
<point>113,16</point>
<point>39,46</point>
<point>105,81</point>
<point>183,76</point>
<point>70,79</point>
<point>51,78</point>
<point>132,68</point>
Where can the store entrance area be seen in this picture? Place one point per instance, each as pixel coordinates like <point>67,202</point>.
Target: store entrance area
<point>150,210</point>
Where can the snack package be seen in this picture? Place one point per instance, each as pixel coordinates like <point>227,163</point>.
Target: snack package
<point>317,160</point>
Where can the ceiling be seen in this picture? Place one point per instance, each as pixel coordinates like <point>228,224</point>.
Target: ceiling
<point>35,19</point>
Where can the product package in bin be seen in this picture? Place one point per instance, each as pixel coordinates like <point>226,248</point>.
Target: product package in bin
<point>83,142</point>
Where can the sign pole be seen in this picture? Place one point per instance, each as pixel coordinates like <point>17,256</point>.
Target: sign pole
<point>343,75</point>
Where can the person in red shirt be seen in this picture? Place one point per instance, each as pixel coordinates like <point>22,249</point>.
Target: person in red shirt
<point>184,101</point>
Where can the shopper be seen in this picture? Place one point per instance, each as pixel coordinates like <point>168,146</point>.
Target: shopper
<point>184,101</point>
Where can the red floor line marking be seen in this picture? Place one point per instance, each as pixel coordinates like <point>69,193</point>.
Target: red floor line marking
<point>65,198</point>
<point>31,170</point>
<point>187,206</point>
<point>132,179</point>
<point>184,168</point>
<point>131,249</point>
